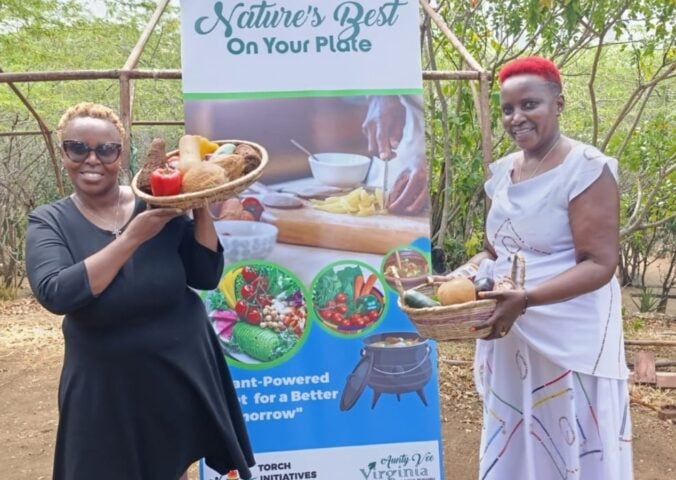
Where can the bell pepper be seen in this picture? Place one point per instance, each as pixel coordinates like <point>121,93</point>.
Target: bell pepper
<point>206,146</point>
<point>252,205</point>
<point>165,181</point>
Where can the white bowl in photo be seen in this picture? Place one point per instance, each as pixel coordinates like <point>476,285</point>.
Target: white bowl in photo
<point>339,169</point>
<point>244,239</point>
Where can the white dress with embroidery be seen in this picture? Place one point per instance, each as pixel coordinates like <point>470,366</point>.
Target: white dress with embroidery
<point>554,389</point>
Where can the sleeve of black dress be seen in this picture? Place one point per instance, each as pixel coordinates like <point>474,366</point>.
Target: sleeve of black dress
<point>58,282</point>
<point>203,267</point>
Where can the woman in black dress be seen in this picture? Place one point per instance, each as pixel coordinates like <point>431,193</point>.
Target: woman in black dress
<point>144,390</point>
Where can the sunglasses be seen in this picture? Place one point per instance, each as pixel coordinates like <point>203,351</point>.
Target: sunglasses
<point>79,151</point>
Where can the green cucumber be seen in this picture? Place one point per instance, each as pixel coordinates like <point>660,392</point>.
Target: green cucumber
<point>416,299</point>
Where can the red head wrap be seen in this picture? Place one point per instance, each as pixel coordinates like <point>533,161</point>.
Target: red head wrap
<point>539,66</point>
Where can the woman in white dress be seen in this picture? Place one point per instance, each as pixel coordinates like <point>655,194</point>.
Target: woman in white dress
<point>551,371</point>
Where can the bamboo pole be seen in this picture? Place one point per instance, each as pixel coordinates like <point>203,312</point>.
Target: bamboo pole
<point>451,75</point>
<point>464,53</point>
<point>88,75</point>
<point>134,122</point>
<point>485,121</point>
<point>135,54</point>
<point>172,74</point>
<point>125,118</point>
<point>44,131</point>
<point>158,122</point>
<point>127,87</point>
<point>653,343</point>
<point>19,134</point>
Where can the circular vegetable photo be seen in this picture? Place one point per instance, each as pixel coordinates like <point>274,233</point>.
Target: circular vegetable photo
<point>259,313</point>
<point>409,264</point>
<point>348,298</point>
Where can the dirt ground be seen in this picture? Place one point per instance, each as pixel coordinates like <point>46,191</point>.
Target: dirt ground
<point>31,352</point>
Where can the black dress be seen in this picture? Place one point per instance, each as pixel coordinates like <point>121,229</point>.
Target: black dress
<point>144,390</point>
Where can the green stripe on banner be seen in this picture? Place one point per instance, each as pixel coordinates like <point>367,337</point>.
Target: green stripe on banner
<point>299,94</point>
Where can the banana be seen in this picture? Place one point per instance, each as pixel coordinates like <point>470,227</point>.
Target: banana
<point>227,286</point>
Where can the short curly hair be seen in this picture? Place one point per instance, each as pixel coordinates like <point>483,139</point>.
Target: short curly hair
<point>540,66</point>
<point>89,110</point>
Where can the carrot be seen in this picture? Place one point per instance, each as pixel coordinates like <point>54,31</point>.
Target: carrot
<point>370,282</point>
<point>358,284</point>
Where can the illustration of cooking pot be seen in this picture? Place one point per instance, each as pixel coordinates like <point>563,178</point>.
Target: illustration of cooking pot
<point>394,362</point>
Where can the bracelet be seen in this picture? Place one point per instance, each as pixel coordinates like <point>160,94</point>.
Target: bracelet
<point>525,302</point>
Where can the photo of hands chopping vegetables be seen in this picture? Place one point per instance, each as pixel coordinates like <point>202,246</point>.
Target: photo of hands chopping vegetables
<point>348,298</point>
<point>345,173</point>
<point>258,311</point>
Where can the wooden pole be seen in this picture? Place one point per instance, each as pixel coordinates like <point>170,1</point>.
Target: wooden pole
<point>88,75</point>
<point>172,74</point>
<point>45,132</point>
<point>464,53</point>
<point>653,343</point>
<point>485,121</point>
<point>125,118</point>
<point>134,122</point>
<point>135,54</point>
<point>127,87</point>
<point>451,75</point>
<point>19,134</point>
<point>159,122</point>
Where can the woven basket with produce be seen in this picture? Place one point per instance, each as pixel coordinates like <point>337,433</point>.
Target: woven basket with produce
<point>199,172</point>
<point>449,310</point>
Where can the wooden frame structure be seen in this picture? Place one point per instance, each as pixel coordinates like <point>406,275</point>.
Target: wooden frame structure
<point>129,73</point>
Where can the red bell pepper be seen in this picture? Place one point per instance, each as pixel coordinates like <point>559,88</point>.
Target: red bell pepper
<point>165,181</point>
<point>253,206</point>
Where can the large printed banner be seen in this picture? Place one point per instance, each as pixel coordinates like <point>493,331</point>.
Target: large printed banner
<point>333,379</point>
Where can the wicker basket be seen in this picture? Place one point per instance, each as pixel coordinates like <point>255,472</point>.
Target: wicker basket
<point>455,322</point>
<point>205,197</point>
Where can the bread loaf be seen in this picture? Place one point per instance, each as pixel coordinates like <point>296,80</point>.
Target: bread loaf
<point>155,159</point>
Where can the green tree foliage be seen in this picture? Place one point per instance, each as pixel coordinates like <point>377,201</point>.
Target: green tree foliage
<point>61,35</point>
<point>618,65</point>
<point>617,57</point>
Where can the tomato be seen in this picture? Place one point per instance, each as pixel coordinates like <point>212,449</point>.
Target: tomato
<point>337,318</point>
<point>248,291</point>
<point>341,308</point>
<point>165,181</point>
<point>241,308</point>
<point>360,322</point>
<point>346,323</point>
<point>373,315</point>
<point>253,316</point>
<point>263,299</point>
<point>249,274</point>
<point>341,298</point>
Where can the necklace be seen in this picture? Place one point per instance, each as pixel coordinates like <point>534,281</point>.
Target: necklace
<point>117,227</point>
<point>542,160</point>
